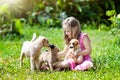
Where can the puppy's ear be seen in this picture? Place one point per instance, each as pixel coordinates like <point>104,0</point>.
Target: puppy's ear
<point>69,43</point>
<point>44,39</point>
<point>76,43</point>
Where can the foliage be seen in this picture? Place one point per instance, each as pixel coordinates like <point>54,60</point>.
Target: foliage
<point>15,28</point>
<point>115,26</point>
<point>105,58</point>
<point>116,33</point>
<point>46,15</point>
<point>18,24</point>
<point>5,14</point>
<point>112,15</point>
<point>90,11</point>
<point>11,12</point>
<point>49,13</point>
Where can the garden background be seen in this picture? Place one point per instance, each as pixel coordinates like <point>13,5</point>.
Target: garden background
<point>19,19</point>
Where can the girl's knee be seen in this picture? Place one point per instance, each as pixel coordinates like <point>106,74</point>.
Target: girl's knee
<point>84,66</point>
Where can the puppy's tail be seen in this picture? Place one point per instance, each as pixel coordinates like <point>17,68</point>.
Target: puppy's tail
<point>34,37</point>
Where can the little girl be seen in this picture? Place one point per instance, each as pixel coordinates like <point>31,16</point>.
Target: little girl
<point>72,30</point>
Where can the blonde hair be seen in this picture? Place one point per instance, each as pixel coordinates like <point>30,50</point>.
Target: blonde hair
<point>72,22</point>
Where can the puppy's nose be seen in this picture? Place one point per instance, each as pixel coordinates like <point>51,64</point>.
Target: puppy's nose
<point>71,46</point>
<point>51,46</point>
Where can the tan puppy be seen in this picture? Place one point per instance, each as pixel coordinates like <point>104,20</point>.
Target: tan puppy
<point>49,56</point>
<point>32,49</point>
<point>71,56</point>
<point>74,48</point>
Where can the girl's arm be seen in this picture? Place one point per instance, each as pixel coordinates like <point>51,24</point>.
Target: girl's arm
<point>63,53</point>
<point>87,50</point>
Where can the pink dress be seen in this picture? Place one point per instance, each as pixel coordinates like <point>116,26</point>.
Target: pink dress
<point>86,64</point>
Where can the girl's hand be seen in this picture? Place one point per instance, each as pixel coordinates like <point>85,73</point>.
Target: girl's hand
<point>71,54</point>
<point>78,54</point>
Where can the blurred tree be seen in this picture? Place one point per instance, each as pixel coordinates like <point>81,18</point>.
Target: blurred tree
<point>117,6</point>
<point>50,13</point>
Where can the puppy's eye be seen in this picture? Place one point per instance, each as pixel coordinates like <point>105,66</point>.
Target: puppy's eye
<point>73,43</point>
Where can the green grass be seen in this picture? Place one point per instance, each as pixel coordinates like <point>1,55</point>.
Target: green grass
<point>105,56</point>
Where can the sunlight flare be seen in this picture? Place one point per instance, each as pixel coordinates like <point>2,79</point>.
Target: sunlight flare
<point>17,7</point>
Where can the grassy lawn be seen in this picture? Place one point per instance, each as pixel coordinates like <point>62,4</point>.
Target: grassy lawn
<point>105,56</point>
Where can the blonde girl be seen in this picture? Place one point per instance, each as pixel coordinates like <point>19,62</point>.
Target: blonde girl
<point>72,30</point>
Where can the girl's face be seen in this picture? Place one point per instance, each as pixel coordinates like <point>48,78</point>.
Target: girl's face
<point>67,30</point>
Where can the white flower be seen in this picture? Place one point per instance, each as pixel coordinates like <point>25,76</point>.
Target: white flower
<point>118,16</point>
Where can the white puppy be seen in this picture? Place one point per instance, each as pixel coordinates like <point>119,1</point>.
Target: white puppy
<point>74,49</point>
<point>32,49</point>
<point>72,58</point>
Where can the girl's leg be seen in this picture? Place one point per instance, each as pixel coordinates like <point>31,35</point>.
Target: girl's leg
<point>79,60</point>
<point>64,64</point>
<point>85,65</point>
<point>71,63</point>
<point>68,64</point>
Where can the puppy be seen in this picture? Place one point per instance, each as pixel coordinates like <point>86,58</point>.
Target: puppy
<point>71,58</point>
<point>32,49</point>
<point>72,53</point>
<point>49,56</point>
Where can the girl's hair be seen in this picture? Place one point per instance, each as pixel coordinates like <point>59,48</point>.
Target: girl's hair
<point>72,23</point>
